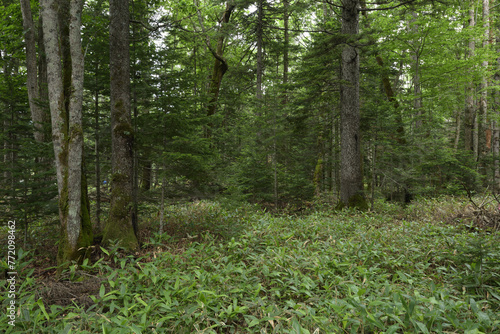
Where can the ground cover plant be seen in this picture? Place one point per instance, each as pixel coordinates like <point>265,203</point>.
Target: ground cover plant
<point>228,270</point>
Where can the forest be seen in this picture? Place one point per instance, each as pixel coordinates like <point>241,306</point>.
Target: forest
<point>250,166</point>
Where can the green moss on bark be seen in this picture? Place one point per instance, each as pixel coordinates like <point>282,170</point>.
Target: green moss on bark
<point>121,231</point>
<point>124,130</point>
<point>119,226</point>
<point>75,131</point>
<point>358,201</point>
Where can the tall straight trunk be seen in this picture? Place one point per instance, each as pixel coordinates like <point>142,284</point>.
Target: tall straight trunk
<point>415,55</point>
<point>470,110</point>
<point>484,84</point>
<point>496,157</point>
<point>334,156</point>
<point>260,42</point>
<point>374,174</point>
<point>37,114</point>
<point>120,225</point>
<point>56,97</point>
<point>351,178</point>
<point>135,170</point>
<point>162,201</point>
<point>43,93</point>
<point>259,71</point>
<point>65,99</point>
<point>97,151</point>
<point>496,126</point>
<point>458,125</point>
<point>146,175</point>
<point>135,156</point>
<point>286,17</point>
<point>75,130</point>
<point>284,101</point>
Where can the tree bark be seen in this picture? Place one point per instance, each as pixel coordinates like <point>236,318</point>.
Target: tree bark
<point>146,175</point>
<point>220,64</point>
<point>120,225</point>
<point>37,113</point>
<point>260,42</point>
<point>415,55</point>
<point>66,116</point>
<point>97,151</point>
<point>484,84</point>
<point>286,16</point>
<point>496,127</point>
<point>351,178</point>
<point>470,112</point>
<point>75,130</point>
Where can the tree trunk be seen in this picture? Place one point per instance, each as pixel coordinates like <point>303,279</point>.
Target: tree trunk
<point>286,16</point>
<point>43,93</point>
<point>417,101</point>
<point>483,107</point>
<point>146,175</point>
<point>496,158</point>
<point>470,112</point>
<point>67,132</point>
<point>97,152</point>
<point>220,64</point>
<point>351,178</point>
<point>120,225</point>
<point>457,131</point>
<point>162,201</point>
<point>260,42</point>
<point>56,97</point>
<point>496,127</point>
<point>37,114</point>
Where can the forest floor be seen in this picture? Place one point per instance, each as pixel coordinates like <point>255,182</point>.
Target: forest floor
<point>431,267</point>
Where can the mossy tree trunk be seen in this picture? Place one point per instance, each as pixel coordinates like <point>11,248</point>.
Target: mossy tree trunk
<point>121,225</point>
<point>62,41</point>
<point>351,177</point>
<point>37,112</point>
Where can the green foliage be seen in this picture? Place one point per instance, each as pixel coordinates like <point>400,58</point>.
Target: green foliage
<point>201,217</point>
<point>319,273</point>
<point>481,258</point>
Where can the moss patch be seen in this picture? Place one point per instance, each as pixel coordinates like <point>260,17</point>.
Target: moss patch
<point>122,232</point>
<point>124,130</point>
<point>358,201</point>
<point>119,226</point>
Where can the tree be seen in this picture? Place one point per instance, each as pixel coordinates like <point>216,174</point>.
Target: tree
<point>122,224</point>
<point>65,65</point>
<point>470,138</point>
<point>483,109</point>
<point>37,113</point>
<point>260,51</point>
<point>416,46</point>
<point>351,177</point>
<point>220,64</point>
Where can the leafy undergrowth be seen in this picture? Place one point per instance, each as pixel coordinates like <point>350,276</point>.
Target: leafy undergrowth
<point>252,272</point>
